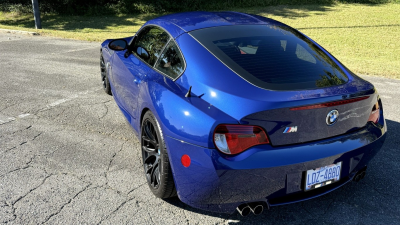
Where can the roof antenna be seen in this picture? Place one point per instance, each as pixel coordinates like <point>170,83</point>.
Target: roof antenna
<point>188,94</point>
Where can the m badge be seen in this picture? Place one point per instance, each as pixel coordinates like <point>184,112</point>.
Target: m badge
<point>290,129</point>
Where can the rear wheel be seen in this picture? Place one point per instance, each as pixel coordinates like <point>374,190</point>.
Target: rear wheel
<point>155,158</point>
<point>104,77</point>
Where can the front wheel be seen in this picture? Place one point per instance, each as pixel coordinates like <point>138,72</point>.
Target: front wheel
<point>155,158</point>
<point>104,76</point>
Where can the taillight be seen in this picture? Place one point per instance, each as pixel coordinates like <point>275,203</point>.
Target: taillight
<point>375,113</point>
<point>234,139</point>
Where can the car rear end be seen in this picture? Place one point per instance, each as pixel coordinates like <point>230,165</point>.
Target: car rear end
<point>268,173</point>
<point>306,125</point>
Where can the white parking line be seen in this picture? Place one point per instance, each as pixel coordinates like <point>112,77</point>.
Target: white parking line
<point>63,100</point>
<point>76,50</point>
<point>377,83</point>
<point>24,115</point>
<point>393,83</point>
<point>6,119</point>
<point>58,102</point>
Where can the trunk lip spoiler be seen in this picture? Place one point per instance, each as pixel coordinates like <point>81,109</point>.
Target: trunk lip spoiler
<point>329,104</point>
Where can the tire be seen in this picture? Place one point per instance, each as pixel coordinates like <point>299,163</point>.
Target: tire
<point>104,76</point>
<point>157,169</point>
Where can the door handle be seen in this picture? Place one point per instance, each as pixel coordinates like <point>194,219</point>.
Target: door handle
<point>137,81</point>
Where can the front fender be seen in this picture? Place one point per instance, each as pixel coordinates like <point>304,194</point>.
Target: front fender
<point>191,120</point>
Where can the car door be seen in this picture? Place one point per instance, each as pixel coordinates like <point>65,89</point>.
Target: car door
<point>130,71</point>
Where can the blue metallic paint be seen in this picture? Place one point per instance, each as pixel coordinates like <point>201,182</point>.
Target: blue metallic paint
<point>215,181</point>
<point>200,75</point>
<point>187,119</point>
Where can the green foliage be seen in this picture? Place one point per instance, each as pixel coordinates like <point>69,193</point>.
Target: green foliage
<point>329,79</point>
<point>16,8</point>
<point>101,7</point>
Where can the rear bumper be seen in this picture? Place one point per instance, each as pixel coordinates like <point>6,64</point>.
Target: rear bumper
<point>216,182</point>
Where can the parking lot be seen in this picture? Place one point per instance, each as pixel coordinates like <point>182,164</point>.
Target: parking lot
<point>69,157</point>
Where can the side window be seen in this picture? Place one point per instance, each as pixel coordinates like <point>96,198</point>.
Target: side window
<point>149,43</point>
<point>171,61</point>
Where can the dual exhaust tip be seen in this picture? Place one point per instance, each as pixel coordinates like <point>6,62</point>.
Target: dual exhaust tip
<point>359,176</point>
<point>245,209</point>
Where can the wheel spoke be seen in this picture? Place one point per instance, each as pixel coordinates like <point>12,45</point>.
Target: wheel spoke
<point>148,132</point>
<point>149,168</point>
<point>157,175</point>
<point>102,64</point>
<point>154,177</point>
<point>103,79</point>
<point>153,173</point>
<point>150,159</point>
<point>154,134</point>
<point>103,71</point>
<point>152,151</point>
<point>154,180</point>
<point>154,143</point>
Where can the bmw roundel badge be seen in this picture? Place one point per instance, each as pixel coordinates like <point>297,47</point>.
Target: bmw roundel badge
<point>332,117</point>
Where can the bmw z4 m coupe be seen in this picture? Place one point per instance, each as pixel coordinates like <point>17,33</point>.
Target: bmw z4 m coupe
<point>236,111</point>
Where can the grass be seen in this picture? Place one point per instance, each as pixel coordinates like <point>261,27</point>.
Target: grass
<point>89,28</point>
<point>366,38</point>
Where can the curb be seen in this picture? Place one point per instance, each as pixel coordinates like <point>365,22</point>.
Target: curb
<point>19,31</point>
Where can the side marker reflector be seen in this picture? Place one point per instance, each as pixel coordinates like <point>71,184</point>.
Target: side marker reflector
<point>185,160</point>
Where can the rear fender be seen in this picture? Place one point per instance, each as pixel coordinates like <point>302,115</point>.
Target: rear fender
<point>191,120</point>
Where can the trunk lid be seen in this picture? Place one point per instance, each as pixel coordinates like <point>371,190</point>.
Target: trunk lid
<point>304,123</point>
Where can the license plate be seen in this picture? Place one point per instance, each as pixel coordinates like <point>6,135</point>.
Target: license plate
<point>322,176</point>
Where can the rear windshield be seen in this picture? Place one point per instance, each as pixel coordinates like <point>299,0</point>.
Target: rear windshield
<point>271,57</point>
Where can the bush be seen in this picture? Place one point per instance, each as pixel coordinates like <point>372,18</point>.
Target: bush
<point>16,8</point>
<point>101,7</point>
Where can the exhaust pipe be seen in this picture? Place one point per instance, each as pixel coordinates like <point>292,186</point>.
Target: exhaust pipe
<point>256,208</point>
<point>243,209</point>
<point>360,175</point>
<point>357,178</point>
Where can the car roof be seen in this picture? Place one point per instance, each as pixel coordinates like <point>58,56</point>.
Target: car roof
<point>179,23</point>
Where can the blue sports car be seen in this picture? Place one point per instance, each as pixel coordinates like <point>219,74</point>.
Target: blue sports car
<point>236,111</point>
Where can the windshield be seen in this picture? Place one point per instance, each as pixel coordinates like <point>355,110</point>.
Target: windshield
<point>271,57</point>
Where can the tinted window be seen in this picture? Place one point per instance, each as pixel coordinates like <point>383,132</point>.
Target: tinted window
<point>271,57</point>
<point>149,43</point>
<point>171,62</point>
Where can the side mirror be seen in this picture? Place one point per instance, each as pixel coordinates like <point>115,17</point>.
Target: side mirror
<point>118,45</point>
<point>142,52</point>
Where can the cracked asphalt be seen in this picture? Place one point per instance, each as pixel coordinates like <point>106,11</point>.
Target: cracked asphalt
<point>69,157</point>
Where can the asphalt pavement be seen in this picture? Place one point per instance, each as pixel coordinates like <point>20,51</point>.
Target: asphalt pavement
<point>67,156</point>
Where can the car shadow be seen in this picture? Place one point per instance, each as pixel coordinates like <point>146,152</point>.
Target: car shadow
<point>372,200</point>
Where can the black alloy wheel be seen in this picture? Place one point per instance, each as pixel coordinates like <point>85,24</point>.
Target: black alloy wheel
<point>104,77</point>
<point>155,159</point>
<point>151,154</point>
